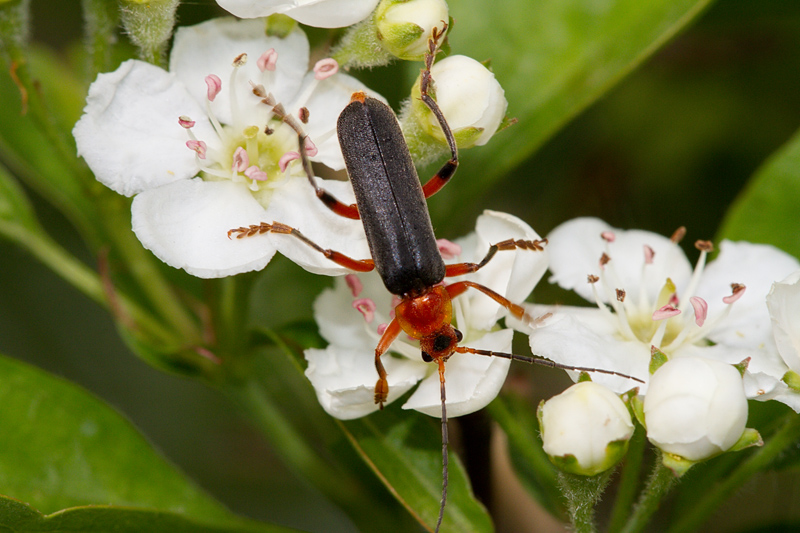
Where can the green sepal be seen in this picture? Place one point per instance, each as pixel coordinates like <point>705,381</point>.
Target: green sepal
<point>399,37</point>
<point>584,376</point>
<point>657,359</point>
<point>637,406</point>
<point>679,465</point>
<point>505,123</point>
<point>279,25</point>
<point>792,379</point>
<point>750,437</point>
<point>742,367</point>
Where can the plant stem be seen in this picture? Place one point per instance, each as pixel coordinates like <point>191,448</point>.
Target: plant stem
<point>629,480</point>
<point>81,277</point>
<point>787,436</point>
<point>661,480</point>
<point>582,494</point>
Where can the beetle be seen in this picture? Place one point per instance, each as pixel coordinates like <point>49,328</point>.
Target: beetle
<point>391,203</point>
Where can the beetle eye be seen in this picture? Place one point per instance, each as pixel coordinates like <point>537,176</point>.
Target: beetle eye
<point>426,357</point>
<point>459,335</point>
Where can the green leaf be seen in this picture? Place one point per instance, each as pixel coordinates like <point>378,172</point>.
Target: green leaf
<point>342,458</point>
<point>405,450</point>
<point>553,59</point>
<point>17,516</point>
<point>62,447</point>
<point>766,211</point>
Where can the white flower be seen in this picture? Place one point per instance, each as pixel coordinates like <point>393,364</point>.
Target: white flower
<point>647,294</point>
<point>589,423</point>
<point>191,145</point>
<point>695,407</point>
<point>783,302</point>
<point>469,96</point>
<point>318,13</point>
<point>404,26</point>
<point>353,314</point>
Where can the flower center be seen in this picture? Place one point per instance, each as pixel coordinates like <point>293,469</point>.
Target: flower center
<point>667,322</point>
<point>256,149</point>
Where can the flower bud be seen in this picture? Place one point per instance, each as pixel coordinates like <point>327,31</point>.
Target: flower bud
<point>783,302</point>
<point>695,408</point>
<point>404,26</point>
<point>470,97</point>
<point>585,429</point>
<point>149,25</point>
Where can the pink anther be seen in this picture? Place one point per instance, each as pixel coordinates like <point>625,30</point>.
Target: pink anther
<point>700,310</point>
<point>197,146</point>
<point>267,60</point>
<point>311,148</point>
<point>255,173</point>
<point>448,249</point>
<point>649,255</point>
<point>666,312</point>
<point>354,283</point>
<point>325,68</point>
<point>738,292</point>
<point>214,85</point>
<point>673,300</point>
<point>287,158</point>
<point>240,160</point>
<point>366,307</point>
<point>186,122</point>
<point>608,236</point>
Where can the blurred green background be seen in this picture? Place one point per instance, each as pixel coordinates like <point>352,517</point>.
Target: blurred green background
<point>671,145</point>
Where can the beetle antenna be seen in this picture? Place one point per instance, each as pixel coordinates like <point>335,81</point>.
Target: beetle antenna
<point>445,440</point>
<point>544,362</point>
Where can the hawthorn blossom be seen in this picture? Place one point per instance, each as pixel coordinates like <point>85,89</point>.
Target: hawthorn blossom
<point>353,315</point>
<point>470,97</point>
<point>647,295</point>
<point>695,408</point>
<point>783,302</point>
<point>317,13</point>
<point>202,153</point>
<point>585,429</point>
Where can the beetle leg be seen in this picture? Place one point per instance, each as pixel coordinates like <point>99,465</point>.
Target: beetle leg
<point>441,178</point>
<point>459,269</point>
<point>359,265</point>
<point>330,201</point>
<point>460,287</point>
<point>388,337</point>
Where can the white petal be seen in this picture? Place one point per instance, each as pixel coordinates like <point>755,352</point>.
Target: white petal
<point>512,273</point>
<point>583,337</point>
<point>185,224</point>
<point>317,13</point>
<point>472,381</point>
<point>783,302</point>
<point>129,134</point>
<point>326,101</point>
<point>576,246</point>
<point>340,324</point>
<point>296,204</point>
<point>757,266</point>
<point>344,379</point>
<point>210,48</point>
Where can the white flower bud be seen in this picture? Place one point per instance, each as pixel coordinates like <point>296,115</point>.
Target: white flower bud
<point>783,302</point>
<point>404,26</point>
<point>585,429</point>
<point>695,408</point>
<point>470,97</point>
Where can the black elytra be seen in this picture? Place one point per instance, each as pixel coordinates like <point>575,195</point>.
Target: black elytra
<point>389,197</point>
